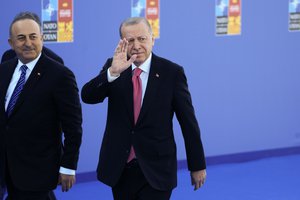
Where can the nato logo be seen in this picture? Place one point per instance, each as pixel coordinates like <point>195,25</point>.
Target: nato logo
<point>294,6</point>
<point>222,8</point>
<point>49,10</point>
<point>138,8</point>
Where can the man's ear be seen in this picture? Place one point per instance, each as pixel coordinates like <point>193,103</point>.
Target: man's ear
<point>10,42</point>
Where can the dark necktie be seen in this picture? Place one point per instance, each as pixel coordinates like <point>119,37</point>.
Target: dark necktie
<point>137,101</point>
<point>16,93</point>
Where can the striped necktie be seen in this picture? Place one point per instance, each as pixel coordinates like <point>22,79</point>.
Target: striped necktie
<point>18,89</point>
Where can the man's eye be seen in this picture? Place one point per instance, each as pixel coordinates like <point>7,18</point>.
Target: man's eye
<point>142,39</point>
<point>21,38</point>
<point>33,37</point>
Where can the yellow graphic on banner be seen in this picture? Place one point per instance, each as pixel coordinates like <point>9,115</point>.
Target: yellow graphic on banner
<point>65,21</point>
<point>234,25</point>
<point>155,27</point>
<point>65,31</point>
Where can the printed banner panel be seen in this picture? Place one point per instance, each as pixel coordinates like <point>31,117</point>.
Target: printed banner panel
<point>150,10</point>
<point>57,20</point>
<point>228,17</point>
<point>294,15</point>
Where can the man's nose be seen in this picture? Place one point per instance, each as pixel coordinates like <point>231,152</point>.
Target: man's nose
<point>136,44</point>
<point>28,41</point>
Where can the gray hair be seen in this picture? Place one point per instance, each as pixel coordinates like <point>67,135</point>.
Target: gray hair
<point>133,21</point>
<point>22,16</point>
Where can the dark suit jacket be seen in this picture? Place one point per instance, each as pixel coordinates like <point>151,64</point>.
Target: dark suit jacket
<point>152,136</point>
<point>9,54</point>
<point>31,138</point>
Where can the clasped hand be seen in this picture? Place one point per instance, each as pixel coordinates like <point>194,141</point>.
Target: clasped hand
<point>66,181</point>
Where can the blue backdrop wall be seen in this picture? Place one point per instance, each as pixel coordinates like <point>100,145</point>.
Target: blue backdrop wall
<point>245,88</point>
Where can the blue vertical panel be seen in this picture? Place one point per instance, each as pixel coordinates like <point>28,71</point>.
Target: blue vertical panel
<point>138,8</point>
<point>49,20</point>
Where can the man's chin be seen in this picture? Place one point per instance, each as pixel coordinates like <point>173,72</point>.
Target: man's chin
<point>28,57</point>
<point>138,61</point>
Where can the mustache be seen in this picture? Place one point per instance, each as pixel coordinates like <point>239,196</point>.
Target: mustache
<point>28,49</point>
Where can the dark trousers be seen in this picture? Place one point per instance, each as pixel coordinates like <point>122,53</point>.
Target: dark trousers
<point>16,194</point>
<point>134,186</point>
<point>51,196</point>
<point>2,192</point>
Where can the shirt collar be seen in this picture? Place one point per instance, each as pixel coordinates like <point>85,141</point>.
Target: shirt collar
<point>145,66</point>
<point>31,64</point>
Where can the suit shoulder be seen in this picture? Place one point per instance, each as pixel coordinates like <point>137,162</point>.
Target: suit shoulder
<point>53,65</point>
<point>8,55</point>
<point>52,55</point>
<point>168,63</point>
<point>9,63</point>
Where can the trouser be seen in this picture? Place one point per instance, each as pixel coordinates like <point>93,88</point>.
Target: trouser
<point>134,186</point>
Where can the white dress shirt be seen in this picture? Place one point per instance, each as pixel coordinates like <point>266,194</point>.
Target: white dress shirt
<point>16,76</point>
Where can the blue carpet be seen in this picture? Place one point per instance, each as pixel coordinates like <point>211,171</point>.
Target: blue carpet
<point>275,178</point>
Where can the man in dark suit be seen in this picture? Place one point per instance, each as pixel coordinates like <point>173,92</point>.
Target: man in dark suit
<point>37,105</point>
<point>10,54</point>
<point>138,152</point>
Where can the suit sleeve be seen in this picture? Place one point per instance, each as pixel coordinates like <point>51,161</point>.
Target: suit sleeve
<point>70,115</point>
<point>96,90</point>
<point>190,129</point>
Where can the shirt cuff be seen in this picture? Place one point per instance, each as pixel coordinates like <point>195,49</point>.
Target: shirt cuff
<point>66,171</point>
<point>111,78</point>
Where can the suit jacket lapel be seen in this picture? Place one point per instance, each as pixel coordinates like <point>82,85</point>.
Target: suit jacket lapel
<point>35,75</point>
<point>6,77</point>
<point>152,86</point>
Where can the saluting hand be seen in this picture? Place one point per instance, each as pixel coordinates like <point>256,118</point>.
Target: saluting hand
<point>120,62</point>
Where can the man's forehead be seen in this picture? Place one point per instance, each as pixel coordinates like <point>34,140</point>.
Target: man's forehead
<point>134,25</point>
<point>24,23</point>
<point>26,27</point>
<point>29,34</point>
<point>135,32</point>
